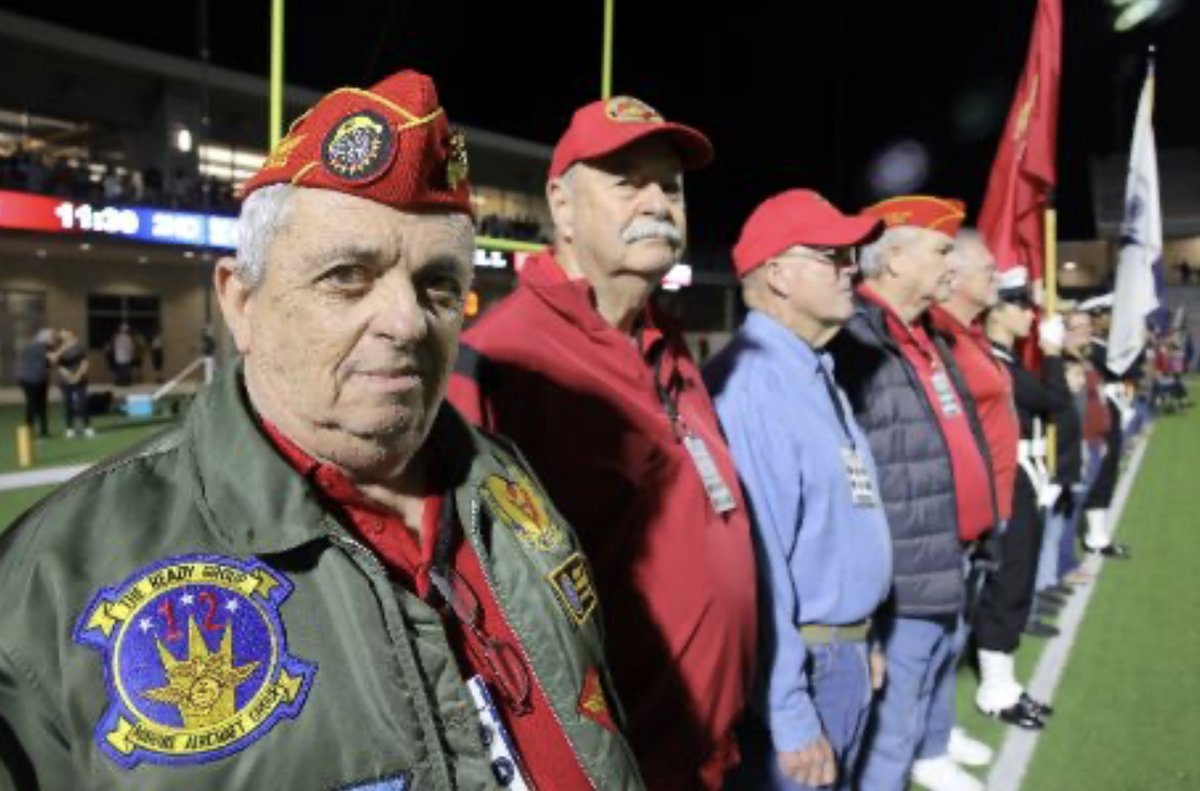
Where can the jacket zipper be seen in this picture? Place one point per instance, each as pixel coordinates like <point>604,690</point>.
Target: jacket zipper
<point>487,578</point>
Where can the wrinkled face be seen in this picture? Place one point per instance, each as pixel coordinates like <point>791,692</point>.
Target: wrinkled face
<point>624,214</point>
<point>818,282</point>
<point>925,263</point>
<point>351,335</point>
<point>975,277</point>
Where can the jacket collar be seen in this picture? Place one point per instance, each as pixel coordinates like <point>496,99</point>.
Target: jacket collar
<point>252,498</point>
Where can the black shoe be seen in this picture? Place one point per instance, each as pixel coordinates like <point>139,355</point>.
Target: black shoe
<point>1041,610</point>
<point>1061,590</point>
<point>1040,629</point>
<point>1042,710</point>
<point>1114,551</point>
<point>1053,599</point>
<point>1019,715</point>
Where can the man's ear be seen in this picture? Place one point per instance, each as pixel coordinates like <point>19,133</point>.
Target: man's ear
<point>777,278</point>
<point>562,207</point>
<point>236,300</point>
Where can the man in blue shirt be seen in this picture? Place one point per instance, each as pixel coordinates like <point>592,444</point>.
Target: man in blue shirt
<point>822,542</point>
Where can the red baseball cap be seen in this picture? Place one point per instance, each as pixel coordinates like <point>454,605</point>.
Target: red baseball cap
<point>390,143</point>
<point>603,127</point>
<point>921,211</point>
<point>797,217</point>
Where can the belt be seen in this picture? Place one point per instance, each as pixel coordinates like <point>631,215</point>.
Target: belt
<point>820,634</point>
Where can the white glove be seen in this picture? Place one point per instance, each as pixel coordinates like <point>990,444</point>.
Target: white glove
<point>1052,331</point>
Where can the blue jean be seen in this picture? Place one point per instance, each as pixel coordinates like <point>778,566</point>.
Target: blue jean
<point>1047,570</point>
<point>840,686</point>
<point>942,709</point>
<point>920,654</point>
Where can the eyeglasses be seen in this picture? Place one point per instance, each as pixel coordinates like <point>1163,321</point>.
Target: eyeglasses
<point>837,257</point>
<point>503,660</point>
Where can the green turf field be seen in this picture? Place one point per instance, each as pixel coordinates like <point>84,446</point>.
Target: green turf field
<point>113,433</point>
<point>1129,700</point>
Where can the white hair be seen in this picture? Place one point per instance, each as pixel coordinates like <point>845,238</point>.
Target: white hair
<point>263,214</point>
<point>965,255</point>
<point>874,257</point>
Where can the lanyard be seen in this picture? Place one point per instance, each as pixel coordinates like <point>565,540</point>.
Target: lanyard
<point>836,400</point>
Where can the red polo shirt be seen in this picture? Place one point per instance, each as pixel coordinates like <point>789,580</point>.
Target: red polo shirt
<point>676,579</point>
<point>547,757</point>
<point>991,386</point>
<point>971,485</point>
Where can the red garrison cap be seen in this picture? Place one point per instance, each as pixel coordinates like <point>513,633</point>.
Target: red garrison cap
<point>603,127</point>
<point>921,211</point>
<point>797,217</point>
<point>390,143</point>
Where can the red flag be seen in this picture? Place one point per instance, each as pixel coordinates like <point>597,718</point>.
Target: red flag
<point>1024,172</point>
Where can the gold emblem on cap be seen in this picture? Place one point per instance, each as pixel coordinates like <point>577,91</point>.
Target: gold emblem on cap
<point>627,109</point>
<point>283,150</point>
<point>457,167</point>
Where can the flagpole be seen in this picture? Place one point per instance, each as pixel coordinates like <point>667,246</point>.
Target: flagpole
<point>276,121</point>
<point>1050,274</point>
<point>606,58</point>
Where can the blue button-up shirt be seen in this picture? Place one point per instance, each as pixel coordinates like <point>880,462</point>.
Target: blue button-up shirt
<point>821,558</point>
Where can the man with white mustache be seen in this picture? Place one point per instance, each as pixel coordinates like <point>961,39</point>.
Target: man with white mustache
<point>601,395</point>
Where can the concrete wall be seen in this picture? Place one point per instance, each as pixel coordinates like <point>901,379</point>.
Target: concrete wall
<point>67,283</point>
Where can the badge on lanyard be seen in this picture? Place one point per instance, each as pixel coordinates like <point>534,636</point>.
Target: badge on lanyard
<point>506,768</point>
<point>862,491</point>
<point>719,493</point>
<point>947,400</point>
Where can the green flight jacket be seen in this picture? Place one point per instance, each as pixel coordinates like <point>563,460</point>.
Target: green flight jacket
<point>189,615</point>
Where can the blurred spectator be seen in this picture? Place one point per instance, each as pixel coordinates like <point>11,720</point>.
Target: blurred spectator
<point>33,374</point>
<point>72,364</point>
<point>121,350</point>
<point>156,355</point>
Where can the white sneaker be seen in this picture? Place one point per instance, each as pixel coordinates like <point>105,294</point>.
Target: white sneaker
<point>942,774</point>
<point>968,751</point>
<point>70,433</point>
<point>88,432</point>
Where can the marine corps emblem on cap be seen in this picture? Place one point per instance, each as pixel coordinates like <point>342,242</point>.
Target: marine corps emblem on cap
<point>359,148</point>
<point>627,109</point>
<point>457,168</point>
<point>195,659</point>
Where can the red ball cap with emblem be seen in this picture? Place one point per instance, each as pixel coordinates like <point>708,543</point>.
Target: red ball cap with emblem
<point>602,127</point>
<point>921,211</point>
<point>390,143</point>
<point>797,217</point>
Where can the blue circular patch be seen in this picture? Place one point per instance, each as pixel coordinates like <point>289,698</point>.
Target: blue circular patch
<point>195,660</point>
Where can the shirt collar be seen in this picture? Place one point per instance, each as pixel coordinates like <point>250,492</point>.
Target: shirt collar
<point>780,341</point>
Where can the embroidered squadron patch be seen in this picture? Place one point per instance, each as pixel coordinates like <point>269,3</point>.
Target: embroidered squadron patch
<point>195,660</point>
<point>630,110</point>
<point>518,503</point>
<point>359,148</point>
<point>573,587</point>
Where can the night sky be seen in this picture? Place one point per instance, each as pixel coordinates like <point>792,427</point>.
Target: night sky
<point>792,94</point>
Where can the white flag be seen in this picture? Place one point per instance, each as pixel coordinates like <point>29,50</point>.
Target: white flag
<point>1134,296</point>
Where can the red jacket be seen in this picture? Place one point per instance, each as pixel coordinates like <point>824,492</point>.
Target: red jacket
<point>676,580</point>
<point>991,386</point>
